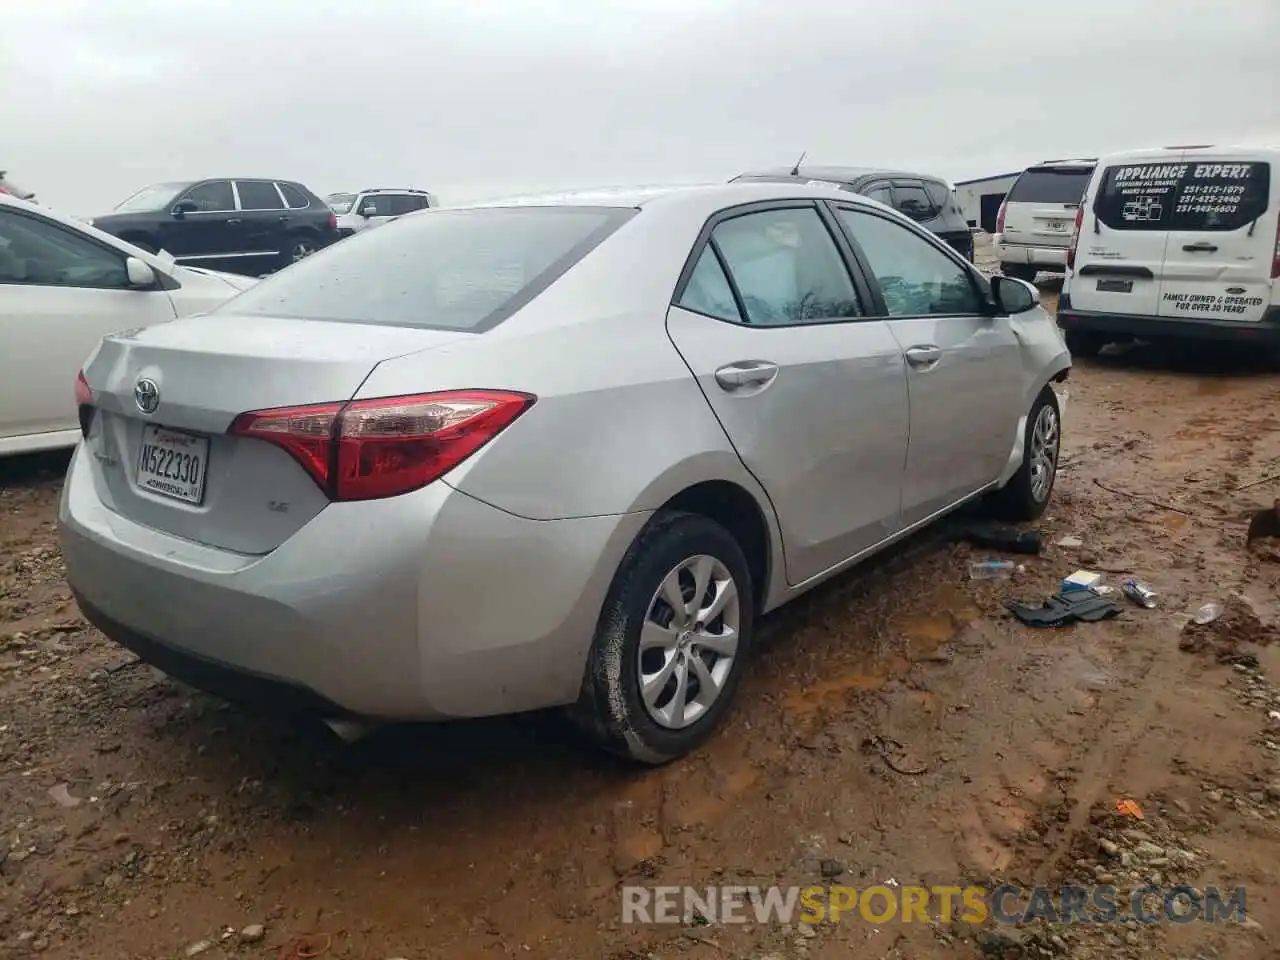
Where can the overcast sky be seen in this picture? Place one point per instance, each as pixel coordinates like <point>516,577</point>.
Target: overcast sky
<point>475,98</point>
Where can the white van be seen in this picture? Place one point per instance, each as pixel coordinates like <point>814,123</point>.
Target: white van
<point>1176,242</point>
<point>1033,226</point>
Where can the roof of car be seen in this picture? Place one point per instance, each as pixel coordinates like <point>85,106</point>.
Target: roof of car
<point>839,174</point>
<point>393,190</point>
<point>721,194</point>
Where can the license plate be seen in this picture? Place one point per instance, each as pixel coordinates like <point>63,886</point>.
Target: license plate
<point>1115,286</point>
<point>1056,225</point>
<point>172,463</point>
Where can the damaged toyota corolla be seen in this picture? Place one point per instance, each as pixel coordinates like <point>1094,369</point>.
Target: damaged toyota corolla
<point>556,451</point>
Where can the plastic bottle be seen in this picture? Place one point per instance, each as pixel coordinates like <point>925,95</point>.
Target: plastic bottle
<point>991,569</point>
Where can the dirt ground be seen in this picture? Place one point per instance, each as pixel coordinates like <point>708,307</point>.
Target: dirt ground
<point>139,819</point>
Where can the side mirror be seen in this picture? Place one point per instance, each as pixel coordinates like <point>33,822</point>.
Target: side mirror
<point>182,208</point>
<point>141,276</point>
<point>369,210</point>
<point>1014,296</point>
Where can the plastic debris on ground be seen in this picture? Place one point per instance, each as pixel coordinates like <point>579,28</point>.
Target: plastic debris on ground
<point>1208,613</point>
<point>1069,543</point>
<point>992,569</point>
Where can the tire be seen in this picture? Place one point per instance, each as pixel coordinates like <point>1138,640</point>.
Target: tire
<point>299,247</point>
<point>611,710</point>
<point>1020,271</point>
<point>1084,344</point>
<point>1026,496</point>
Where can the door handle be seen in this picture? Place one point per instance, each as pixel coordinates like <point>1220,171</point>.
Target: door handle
<point>232,221</point>
<point>746,373</point>
<point>284,219</point>
<point>925,356</point>
<point>1200,248</point>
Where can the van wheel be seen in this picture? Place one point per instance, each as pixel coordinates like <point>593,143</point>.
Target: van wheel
<point>1026,496</point>
<point>673,637</point>
<point>1020,271</point>
<point>1083,344</point>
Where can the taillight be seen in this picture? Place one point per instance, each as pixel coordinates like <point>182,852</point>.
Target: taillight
<point>365,449</point>
<point>1275,257</point>
<point>333,221</point>
<point>1075,239</point>
<point>1000,216</point>
<point>84,403</point>
<point>84,396</point>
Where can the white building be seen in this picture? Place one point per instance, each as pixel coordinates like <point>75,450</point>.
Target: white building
<point>980,199</point>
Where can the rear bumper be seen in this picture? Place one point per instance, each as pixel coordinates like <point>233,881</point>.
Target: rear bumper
<point>1119,325</point>
<point>426,606</point>
<point>1044,257</point>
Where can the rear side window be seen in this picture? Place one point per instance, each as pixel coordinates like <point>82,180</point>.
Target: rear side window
<point>1051,185</point>
<point>913,201</point>
<point>257,195</point>
<point>464,270</point>
<point>1183,196</point>
<point>939,194</point>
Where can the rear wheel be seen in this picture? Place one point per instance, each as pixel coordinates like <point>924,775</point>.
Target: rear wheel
<point>672,639</point>
<point>1082,343</point>
<point>300,246</point>
<point>1019,271</point>
<point>1026,496</point>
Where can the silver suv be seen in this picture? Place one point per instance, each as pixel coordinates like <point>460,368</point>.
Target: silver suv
<point>1033,227</point>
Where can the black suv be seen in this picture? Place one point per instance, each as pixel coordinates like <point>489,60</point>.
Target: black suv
<point>925,199</point>
<point>245,225</point>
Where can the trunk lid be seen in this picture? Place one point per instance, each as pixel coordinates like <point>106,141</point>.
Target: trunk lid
<point>1041,206</point>
<point>175,468</point>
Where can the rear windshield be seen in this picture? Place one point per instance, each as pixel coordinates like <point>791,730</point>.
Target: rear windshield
<point>1048,185</point>
<point>461,270</point>
<point>1183,196</point>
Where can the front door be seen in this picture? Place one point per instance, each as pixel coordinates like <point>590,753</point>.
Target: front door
<point>210,231</point>
<point>60,294</point>
<point>964,366</point>
<point>810,390</point>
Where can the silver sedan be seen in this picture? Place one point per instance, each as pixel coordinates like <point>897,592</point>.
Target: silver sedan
<point>550,451</point>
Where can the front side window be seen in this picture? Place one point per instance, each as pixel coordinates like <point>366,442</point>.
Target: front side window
<point>918,279</point>
<point>463,270</point>
<point>910,198</point>
<point>212,197</point>
<point>258,195</point>
<point>786,267</point>
<point>36,252</point>
<point>708,289</point>
<point>939,194</point>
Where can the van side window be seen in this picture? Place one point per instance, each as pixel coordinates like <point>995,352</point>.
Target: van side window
<point>1192,196</point>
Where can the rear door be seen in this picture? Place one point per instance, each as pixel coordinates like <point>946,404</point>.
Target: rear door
<point>1041,206</point>
<point>810,390</point>
<point>1221,242</point>
<point>1123,233</point>
<point>265,223</point>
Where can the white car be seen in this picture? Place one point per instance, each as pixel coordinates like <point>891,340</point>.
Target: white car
<point>1033,226</point>
<point>1176,242</point>
<point>369,208</point>
<point>63,287</point>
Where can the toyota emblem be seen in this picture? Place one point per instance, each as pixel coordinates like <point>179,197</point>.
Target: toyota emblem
<point>146,395</point>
